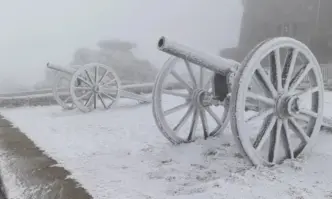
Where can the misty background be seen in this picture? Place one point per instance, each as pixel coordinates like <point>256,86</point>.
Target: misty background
<point>37,31</point>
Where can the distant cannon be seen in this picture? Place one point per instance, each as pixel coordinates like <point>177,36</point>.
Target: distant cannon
<point>91,86</point>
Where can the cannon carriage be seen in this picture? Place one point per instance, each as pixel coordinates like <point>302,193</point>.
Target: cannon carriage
<point>272,93</point>
<point>92,86</point>
<point>268,111</point>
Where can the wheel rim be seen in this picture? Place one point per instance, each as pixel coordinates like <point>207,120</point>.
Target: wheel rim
<point>195,94</point>
<point>61,91</point>
<point>99,87</point>
<point>288,126</point>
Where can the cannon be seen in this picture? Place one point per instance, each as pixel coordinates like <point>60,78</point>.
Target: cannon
<point>273,116</point>
<point>92,86</point>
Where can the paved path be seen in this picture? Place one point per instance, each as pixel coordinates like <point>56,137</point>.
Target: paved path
<point>34,169</point>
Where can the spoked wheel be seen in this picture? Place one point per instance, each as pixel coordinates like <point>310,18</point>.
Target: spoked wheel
<point>285,100</point>
<point>99,87</point>
<point>183,92</point>
<point>61,91</point>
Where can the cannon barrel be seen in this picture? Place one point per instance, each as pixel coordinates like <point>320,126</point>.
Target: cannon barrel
<point>68,70</point>
<point>212,62</point>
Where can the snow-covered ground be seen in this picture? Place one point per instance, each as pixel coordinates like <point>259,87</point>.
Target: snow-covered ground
<point>120,153</point>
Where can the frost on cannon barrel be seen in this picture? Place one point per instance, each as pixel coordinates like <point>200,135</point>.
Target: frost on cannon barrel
<point>272,117</point>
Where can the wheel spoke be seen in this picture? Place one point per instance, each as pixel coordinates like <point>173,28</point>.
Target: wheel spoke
<point>303,59</point>
<point>108,96</point>
<point>66,100</point>
<point>309,113</point>
<point>265,80</point>
<point>201,77</point>
<point>289,67</point>
<point>82,88</point>
<point>84,81</point>
<point>102,101</point>
<point>275,142</point>
<point>175,109</point>
<point>224,118</point>
<point>94,100</point>
<point>260,98</point>
<point>264,132</point>
<point>193,125</point>
<point>89,77</point>
<point>302,117</point>
<point>214,116</point>
<point>184,83</point>
<point>276,69</point>
<point>108,83</point>
<point>208,83</point>
<point>184,119</point>
<point>256,79</point>
<point>96,74</point>
<point>299,131</point>
<point>204,123</point>
<point>191,73</point>
<point>308,91</point>
<point>260,115</point>
<point>299,76</point>
<point>85,95</point>
<point>177,94</point>
<point>286,139</point>
<point>89,100</point>
<point>102,77</point>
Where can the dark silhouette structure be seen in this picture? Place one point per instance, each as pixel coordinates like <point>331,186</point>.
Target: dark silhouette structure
<point>309,21</point>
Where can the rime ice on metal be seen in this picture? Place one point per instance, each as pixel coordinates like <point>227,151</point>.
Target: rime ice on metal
<point>285,96</point>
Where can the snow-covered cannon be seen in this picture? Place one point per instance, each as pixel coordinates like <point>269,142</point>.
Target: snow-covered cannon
<point>91,86</point>
<point>272,116</point>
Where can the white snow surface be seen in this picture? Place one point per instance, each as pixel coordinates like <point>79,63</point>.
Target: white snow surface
<point>120,153</point>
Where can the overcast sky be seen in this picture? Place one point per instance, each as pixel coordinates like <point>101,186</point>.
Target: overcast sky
<point>37,31</point>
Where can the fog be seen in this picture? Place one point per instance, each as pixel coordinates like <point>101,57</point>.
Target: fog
<point>37,31</point>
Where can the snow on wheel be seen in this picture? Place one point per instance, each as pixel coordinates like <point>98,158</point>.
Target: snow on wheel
<point>286,115</point>
<point>187,109</point>
<point>99,87</point>
<point>61,91</point>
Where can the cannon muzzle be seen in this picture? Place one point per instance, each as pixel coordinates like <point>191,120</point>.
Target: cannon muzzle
<point>68,70</point>
<point>212,62</point>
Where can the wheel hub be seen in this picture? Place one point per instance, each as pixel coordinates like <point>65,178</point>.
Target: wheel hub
<point>198,97</point>
<point>204,98</point>
<point>95,89</point>
<point>287,106</point>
